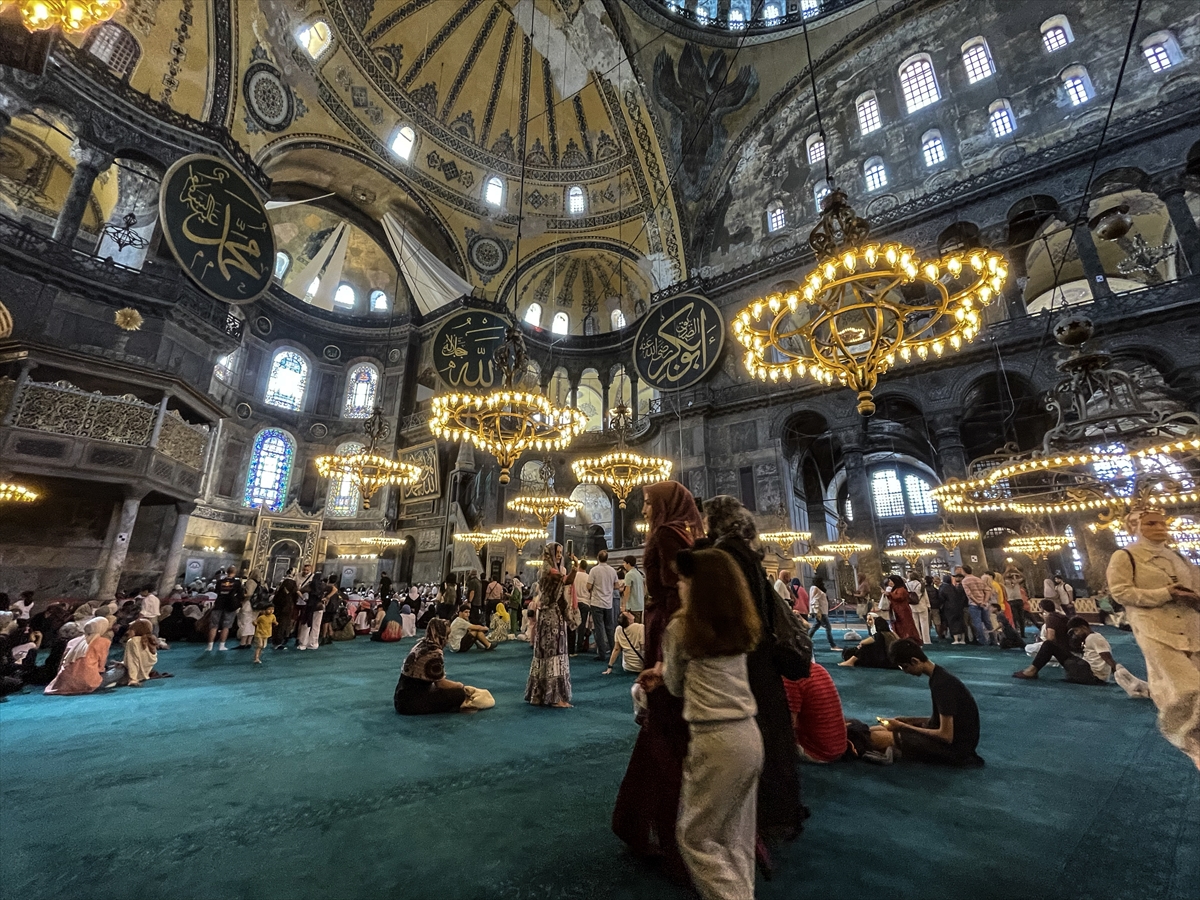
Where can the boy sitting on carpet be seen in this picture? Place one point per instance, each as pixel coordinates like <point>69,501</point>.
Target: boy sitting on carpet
<point>949,736</point>
<point>464,635</point>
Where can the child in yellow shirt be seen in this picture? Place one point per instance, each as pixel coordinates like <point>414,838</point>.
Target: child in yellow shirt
<point>262,632</point>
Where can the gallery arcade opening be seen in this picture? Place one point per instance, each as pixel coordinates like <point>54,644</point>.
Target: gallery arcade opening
<point>610,449</point>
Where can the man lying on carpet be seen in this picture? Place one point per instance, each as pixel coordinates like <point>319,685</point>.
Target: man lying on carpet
<point>949,736</point>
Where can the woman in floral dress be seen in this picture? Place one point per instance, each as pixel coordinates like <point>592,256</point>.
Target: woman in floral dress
<point>550,672</point>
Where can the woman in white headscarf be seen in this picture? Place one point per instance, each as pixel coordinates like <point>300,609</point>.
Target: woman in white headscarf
<point>84,662</point>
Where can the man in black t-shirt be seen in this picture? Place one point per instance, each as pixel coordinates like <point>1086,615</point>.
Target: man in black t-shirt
<point>949,736</point>
<point>230,595</point>
<point>1055,646</point>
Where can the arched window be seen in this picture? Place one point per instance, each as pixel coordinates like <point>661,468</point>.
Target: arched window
<point>533,315</point>
<point>1056,33</point>
<point>816,149</point>
<point>362,387</point>
<point>282,261</point>
<point>875,173</point>
<point>1078,85</point>
<point>809,8</point>
<point>345,296</point>
<point>776,217</point>
<point>1001,119</point>
<point>977,59</point>
<point>920,500</point>
<point>848,510</point>
<point>115,47</point>
<point>1161,51</point>
<point>379,301</point>
<point>895,540</point>
<point>344,499</point>
<point>226,367</point>
<point>1076,560</point>
<point>576,200</point>
<point>270,470</point>
<point>933,148</point>
<point>887,494</point>
<point>617,318</point>
<point>493,191</point>
<point>315,38</point>
<point>918,83</point>
<point>403,142</point>
<point>287,381</point>
<point>737,19</point>
<point>868,113</point>
<point>821,190</point>
<point>771,14</point>
<point>561,323</point>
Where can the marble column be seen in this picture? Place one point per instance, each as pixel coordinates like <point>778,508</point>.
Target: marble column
<point>89,162</point>
<point>947,440</point>
<point>124,517</point>
<point>604,408</point>
<point>1186,229</point>
<point>1085,245</point>
<point>858,489</point>
<point>183,515</point>
<point>633,394</point>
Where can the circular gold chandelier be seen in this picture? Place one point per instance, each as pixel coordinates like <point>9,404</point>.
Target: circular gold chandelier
<point>543,507</point>
<point>622,470</point>
<point>864,306</point>
<point>910,551</point>
<point>506,422</point>
<point>1038,544</point>
<point>949,536</point>
<point>814,560</point>
<point>519,535</point>
<point>785,539</point>
<point>477,539</point>
<point>844,547</point>
<point>73,16</point>
<point>11,492</point>
<point>367,470</point>
<point>383,541</point>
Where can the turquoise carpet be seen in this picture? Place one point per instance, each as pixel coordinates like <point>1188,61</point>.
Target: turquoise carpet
<point>296,780</point>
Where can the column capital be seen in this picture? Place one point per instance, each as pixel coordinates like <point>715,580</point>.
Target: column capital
<point>185,507</point>
<point>89,156</point>
<point>945,423</point>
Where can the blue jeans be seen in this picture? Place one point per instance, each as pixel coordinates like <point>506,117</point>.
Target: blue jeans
<point>604,627</point>
<point>980,622</point>
<point>822,620</point>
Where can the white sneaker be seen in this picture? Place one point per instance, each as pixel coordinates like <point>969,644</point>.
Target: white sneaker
<point>208,649</point>
<point>222,647</point>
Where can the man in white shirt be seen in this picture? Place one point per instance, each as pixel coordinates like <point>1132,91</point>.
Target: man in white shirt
<point>22,606</point>
<point>1160,591</point>
<point>633,589</point>
<point>464,635</point>
<point>783,586</point>
<point>1097,652</point>
<point>630,642</point>
<point>601,581</point>
<point>150,606</point>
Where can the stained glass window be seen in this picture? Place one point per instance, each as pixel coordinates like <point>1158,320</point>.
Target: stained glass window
<point>344,498</point>
<point>270,469</point>
<point>888,496</point>
<point>287,381</point>
<point>362,387</point>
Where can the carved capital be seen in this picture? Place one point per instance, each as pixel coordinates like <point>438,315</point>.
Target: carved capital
<point>90,157</point>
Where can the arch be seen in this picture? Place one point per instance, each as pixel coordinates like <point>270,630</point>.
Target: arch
<point>867,107</point>
<point>999,407</point>
<point>1161,51</point>
<point>404,142</point>
<point>288,379</point>
<point>493,191</point>
<point>821,190</point>
<point>918,82</point>
<point>576,200</point>
<point>270,470</point>
<point>362,391</point>
<point>1056,33</point>
<point>958,237</point>
<point>379,301</point>
<point>315,38</point>
<point>815,149</point>
<point>776,216</point>
<point>1001,118</point>
<point>875,173</point>
<point>343,498</point>
<point>345,296</point>
<point>1078,85</point>
<point>933,148</point>
<point>561,323</point>
<point>533,315</point>
<point>617,319</point>
<point>590,399</point>
<point>596,511</point>
<point>977,59</point>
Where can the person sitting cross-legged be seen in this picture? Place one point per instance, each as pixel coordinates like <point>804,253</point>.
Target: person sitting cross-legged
<point>464,635</point>
<point>949,736</point>
<point>872,653</point>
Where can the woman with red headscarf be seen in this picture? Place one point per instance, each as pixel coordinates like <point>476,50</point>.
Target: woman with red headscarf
<point>648,800</point>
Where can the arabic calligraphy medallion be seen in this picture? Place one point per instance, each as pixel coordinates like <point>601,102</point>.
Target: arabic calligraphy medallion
<point>678,342</point>
<point>217,228</point>
<point>464,348</point>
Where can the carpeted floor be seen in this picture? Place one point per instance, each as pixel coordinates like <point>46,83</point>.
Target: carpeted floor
<point>296,780</point>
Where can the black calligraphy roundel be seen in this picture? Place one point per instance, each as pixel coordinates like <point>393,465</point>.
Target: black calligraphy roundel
<point>217,228</point>
<point>464,348</point>
<point>678,342</point>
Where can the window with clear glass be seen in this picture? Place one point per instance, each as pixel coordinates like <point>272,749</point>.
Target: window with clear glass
<point>737,19</point>
<point>315,38</point>
<point>344,499</point>
<point>576,200</point>
<point>345,296</point>
<point>977,61</point>
<point>1055,38</point>
<point>875,174</point>
<point>868,114</point>
<point>933,149</point>
<point>362,389</point>
<point>225,367</point>
<point>379,301</point>
<point>617,318</point>
<point>895,540</point>
<point>919,85</point>
<point>404,141</point>
<point>1073,553</point>
<point>771,14</point>
<point>776,217</point>
<point>282,261</point>
<point>1156,55</point>
<point>887,494</point>
<point>816,149</point>
<point>1078,88</point>
<point>809,8</point>
<point>1001,119</point>
<point>493,191</point>
<point>533,315</point>
<point>270,470</point>
<point>1161,51</point>
<point>920,499</point>
<point>287,381</point>
<point>848,510</point>
<point>115,47</point>
<point>560,324</point>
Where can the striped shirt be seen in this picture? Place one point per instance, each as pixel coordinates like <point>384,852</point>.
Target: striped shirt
<point>817,714</point>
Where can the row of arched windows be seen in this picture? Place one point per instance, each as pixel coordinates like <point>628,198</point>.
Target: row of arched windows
<point>561,322</point>
<point>269,475</point>
<point>288,377</point>
<point>345,296</point>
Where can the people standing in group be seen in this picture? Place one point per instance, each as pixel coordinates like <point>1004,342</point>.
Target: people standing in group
<point>819,604</point>
<point>781,814</point>
<point>633,589</point>
<point>900,602</point>
<point>230,595</point>
<point>705,663</point>
<point>979,605</point>
<point>937,619</point>
<point>648,799</point>
<point>549,681</point>
<point>1160,591</point>
<point>602,581</point>
<point>1017,596</point>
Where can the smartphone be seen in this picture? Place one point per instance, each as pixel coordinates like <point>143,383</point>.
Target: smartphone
<point>882,721</point>
<point>570,549</point>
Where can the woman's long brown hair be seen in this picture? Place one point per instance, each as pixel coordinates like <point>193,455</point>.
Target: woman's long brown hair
<point>719,618</point>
